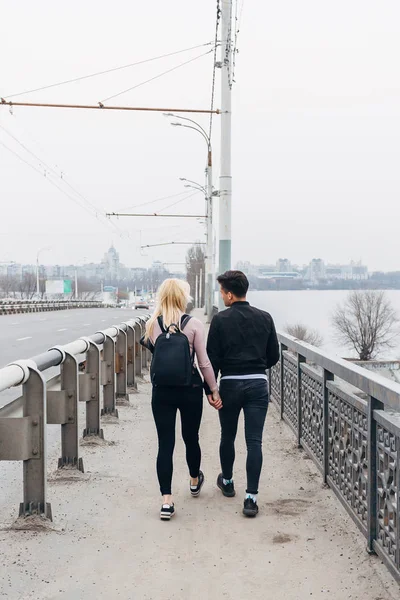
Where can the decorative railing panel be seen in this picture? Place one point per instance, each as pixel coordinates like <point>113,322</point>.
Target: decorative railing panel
<point>347,450</point>
<point>275,376</point>
<point>290,390</point>
<point>312,413</point>
<point>388,487</point>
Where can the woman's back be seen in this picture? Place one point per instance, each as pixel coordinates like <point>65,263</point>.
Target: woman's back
<point>194,331</point>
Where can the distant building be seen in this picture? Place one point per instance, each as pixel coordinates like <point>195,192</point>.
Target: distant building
<point>353,271</point>
<point>316,270</point>
<point>283,265</point>
<point>112,264</point>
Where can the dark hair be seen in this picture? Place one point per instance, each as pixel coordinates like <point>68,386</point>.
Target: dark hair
<point>235,282</point>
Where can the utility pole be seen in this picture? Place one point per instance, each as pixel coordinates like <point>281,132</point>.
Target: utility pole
<point>225,187</point>
<point>201,289</point>
<point>210,251</point>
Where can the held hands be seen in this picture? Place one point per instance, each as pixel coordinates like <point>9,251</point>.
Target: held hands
<point>215,400</point>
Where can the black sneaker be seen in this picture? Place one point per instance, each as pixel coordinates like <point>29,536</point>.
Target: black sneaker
<point>196,489</point>
<point>250,508</point>
<point>228,489</point>
<point>167,511</point>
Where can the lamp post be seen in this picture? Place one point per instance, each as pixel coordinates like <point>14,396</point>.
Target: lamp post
<point>37,269</point>
<point>208,192</point>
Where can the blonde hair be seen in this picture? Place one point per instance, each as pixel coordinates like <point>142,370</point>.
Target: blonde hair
<point>173,296</point>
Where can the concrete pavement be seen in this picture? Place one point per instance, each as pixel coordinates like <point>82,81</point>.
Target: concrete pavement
<point>109,542</point>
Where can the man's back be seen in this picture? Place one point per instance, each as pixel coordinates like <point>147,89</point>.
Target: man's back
<point>242,341</point>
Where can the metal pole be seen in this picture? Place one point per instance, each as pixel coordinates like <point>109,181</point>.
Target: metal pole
<point>201,289</point>
<point>76,284</point>
<point>37,276</point>
<point>226,118</point>
<point>210,244</point>
<point>196,297</point>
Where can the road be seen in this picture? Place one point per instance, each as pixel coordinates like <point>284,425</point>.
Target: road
<point>26,335</point>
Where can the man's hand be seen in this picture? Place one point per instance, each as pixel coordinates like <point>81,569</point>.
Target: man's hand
<point>215,400</point>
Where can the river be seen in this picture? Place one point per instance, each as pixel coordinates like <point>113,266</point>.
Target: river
<point>314,309</point>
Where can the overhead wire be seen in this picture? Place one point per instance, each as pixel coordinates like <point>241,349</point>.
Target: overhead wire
<point>151,201</point>
<point>41,173</point>
<point>156,76</point>
<point>112,70</point>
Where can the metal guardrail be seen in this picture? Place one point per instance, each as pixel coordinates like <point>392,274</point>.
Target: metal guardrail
<point>348,420</point>
<point>24,306</point>
<point>111,361</point>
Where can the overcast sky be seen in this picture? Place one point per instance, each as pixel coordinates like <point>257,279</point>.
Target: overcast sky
<point>316,129</point>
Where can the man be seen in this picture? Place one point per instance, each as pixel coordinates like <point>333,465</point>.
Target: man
<point>242,344</point>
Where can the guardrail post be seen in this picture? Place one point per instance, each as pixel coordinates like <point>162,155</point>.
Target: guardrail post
<point>89,391</point>
<point>69,430</point>
<point>372,518</point>
<point>143,349</point>
<point>138,350</point>
<point>130,370</point>
<point>108,377</point>
<point>35,469</point>
<point>327,376</point>
<point>282,349</point>
<point>121,366</point>
<point>300,360</point>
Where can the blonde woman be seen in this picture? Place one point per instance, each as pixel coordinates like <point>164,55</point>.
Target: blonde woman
<point>175,339</point>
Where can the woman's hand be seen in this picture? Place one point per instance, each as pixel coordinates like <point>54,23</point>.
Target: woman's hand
<point>215,400</point>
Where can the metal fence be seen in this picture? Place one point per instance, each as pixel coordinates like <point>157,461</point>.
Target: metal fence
<point>97,370</point>
<point>12,307</point>
<point>348,420</point>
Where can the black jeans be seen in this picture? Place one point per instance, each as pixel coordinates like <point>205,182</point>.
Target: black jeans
<point>165,403</point>
<point>251,395</point>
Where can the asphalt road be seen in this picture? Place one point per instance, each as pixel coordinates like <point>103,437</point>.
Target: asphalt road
<point>26,335</point>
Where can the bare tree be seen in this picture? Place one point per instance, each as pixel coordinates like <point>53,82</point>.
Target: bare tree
<point>305,334</point>
<point>27,286</point>
<point>366,322</point>
<point>9,285</point>
<point>195,266</point>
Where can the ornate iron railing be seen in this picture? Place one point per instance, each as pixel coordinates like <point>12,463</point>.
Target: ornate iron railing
<point>348,420</point>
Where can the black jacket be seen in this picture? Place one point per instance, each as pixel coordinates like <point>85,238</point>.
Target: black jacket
<point>242,341</point>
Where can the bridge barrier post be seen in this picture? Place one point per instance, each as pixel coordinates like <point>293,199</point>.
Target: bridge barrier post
<point>121,366</point>
<point>300,361</point>
<point>89,391</point>
<point>372,449</point>
<point>144,350</point>
<point>138,350</point>
<point>35,467</point>
<point>327,376</point>
<point>62,409</point>
<point>130,370</point>
<point>108,377</point>
<point>283,349</point>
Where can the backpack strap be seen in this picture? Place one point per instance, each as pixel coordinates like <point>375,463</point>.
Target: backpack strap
<point>161,324</point>
<point>184,321</point>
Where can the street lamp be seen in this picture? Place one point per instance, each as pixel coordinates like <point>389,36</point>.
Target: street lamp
<point>37,268</point>
<point>208,192</point>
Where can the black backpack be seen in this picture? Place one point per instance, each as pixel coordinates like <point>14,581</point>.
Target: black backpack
<point>172,363</point>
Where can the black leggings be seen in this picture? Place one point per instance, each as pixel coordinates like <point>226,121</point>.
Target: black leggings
<point>165,402</point>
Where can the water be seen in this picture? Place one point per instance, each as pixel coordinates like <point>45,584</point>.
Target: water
<point>314,309</point>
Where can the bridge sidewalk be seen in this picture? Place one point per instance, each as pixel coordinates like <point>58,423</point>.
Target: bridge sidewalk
<point>109,542</point>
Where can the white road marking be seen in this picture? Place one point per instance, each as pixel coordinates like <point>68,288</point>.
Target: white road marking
<point>25,338</point>
<point>42,319</point>
<point>86,324</point>
<point>62,329</point>
<point>103,320</point>
<point>14,323</point>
